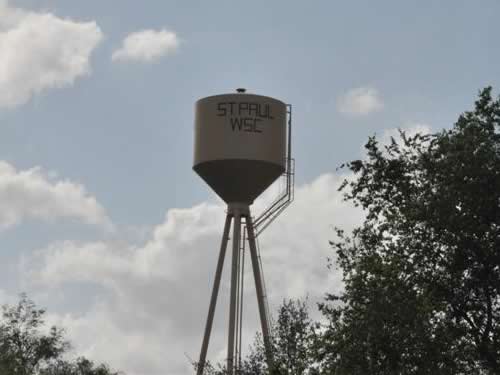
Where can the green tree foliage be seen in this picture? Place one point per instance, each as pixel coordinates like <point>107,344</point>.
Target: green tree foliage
<point>422,274</point>
<point>23,349</point>
<point>27,347</point>
<point>81,366</point>
<point>293,336</point>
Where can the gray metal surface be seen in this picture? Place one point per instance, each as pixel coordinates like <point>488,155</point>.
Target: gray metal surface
<point>261,298</point>
<point>247,178</point>
<point>236,212</point>
<point>233,292</point>
<point>215,293</point>
<point>240,144</point>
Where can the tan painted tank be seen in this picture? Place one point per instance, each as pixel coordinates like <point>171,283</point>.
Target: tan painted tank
<point>240,144</point>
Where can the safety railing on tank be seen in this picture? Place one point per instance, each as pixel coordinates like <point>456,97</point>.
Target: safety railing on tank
<point>286,196</point>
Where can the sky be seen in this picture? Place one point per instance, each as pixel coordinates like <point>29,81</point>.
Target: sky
<point>102,220</point>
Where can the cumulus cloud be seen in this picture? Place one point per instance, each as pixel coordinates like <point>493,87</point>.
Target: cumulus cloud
<point>40,51</point>
<point>147,46</point>
<point>360,101</point>
<point>31,194</point>
<point>157,294</point>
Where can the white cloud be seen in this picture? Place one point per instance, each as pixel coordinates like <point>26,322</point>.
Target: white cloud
<point>146,46</point>
<point>360,101</point>
<point>157,294</point>
<point>40,51</point>
<point>31,194</point>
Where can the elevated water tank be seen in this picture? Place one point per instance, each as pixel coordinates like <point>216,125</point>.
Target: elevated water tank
<point>240,144</point>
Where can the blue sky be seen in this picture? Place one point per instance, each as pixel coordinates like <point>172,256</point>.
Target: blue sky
<point>114,192</point>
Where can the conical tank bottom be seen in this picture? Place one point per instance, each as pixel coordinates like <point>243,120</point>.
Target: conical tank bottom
<point>238,180</point>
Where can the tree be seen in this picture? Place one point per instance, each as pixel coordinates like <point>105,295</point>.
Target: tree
<point>293,338</point>
<point>81,366</point>
<point>25,348</point>
<point>422,273</point>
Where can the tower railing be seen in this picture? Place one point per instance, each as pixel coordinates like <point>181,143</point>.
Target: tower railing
<point>286,196</point>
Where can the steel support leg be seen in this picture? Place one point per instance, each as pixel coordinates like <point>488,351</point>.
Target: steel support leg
<point>234,280</point>
<point>213,299</point>
<point>260,293</point>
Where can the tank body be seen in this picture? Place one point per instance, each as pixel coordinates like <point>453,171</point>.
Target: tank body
<point>240,144</point>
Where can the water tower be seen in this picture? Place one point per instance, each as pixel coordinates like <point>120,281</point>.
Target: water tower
<point>242,145</point>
